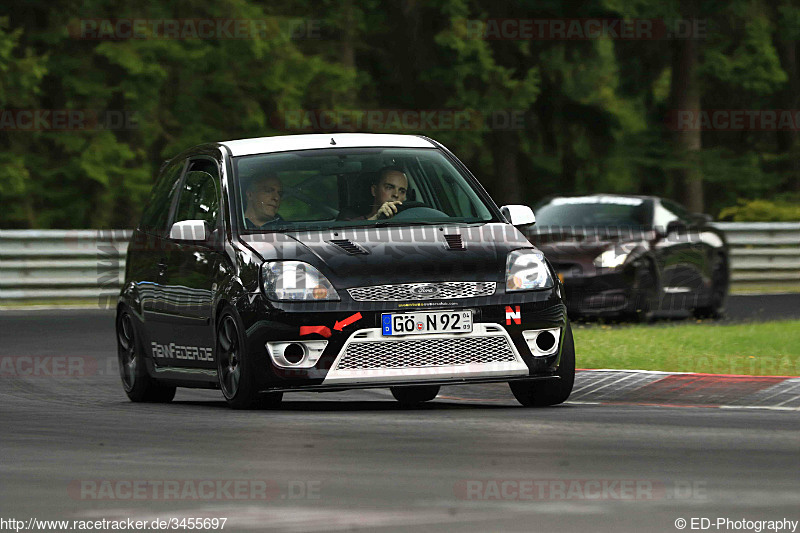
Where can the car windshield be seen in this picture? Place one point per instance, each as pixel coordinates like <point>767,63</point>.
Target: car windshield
<point>346,187</point>
<point>595,211</point>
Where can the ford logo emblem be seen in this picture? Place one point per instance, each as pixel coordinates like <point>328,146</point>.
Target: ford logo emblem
<point>425,290</point>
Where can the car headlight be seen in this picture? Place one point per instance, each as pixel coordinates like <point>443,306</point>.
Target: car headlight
<point>526,270</point>
<point>611,258</point>
<point>295,280</point>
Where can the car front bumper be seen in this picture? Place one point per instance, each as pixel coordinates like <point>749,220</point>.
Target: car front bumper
<point>360,356</point>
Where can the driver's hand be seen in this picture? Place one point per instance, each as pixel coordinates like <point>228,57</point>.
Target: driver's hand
<point>388,209</point>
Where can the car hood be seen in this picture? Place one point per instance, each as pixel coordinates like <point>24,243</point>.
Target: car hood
<point>566,243</point>
<point>354,257</point>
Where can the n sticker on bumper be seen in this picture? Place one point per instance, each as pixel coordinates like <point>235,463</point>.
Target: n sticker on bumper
<point>513,314</point>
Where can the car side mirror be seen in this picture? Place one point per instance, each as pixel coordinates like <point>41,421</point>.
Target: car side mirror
<point>518,215</point>
<point>676,226</point>
<point>190,231</point>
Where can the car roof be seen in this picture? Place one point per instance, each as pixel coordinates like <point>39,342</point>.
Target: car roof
<point>604,195</point>
<point>286,143</point>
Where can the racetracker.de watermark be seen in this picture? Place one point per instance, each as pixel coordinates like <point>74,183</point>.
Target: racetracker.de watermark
<point>733,119</point>
<point>399,120</point>
<point>583,29</point>
<point>123,29</point>
<point>67,120</point>
<point>759,365</point>
<point>193,489</point>
<point>578,489</point>
<point>104,524</point>
<point>47,366</point>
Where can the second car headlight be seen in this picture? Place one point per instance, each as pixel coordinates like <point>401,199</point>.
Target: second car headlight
<point>611,258</point>
<point>295,280</point>
<point>526,270</point>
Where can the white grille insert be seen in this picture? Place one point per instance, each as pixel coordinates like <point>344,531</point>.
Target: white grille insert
<point>429,352</point>
<point>370,357</point>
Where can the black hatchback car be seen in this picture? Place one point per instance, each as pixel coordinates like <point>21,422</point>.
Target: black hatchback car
<point>633,255</point>
<point>332,262</point>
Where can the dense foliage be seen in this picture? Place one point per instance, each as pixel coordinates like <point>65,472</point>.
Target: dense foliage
<point>586,115</point>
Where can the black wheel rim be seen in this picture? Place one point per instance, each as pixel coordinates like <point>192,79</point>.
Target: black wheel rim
<point>128,360</point>
<point>228,357</point>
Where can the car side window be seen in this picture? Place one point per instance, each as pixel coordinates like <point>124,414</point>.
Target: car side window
<point>156,214</point>
<point>199,198</point>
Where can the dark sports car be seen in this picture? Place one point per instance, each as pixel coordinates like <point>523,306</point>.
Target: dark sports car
<point>630,256</point>
<point>331,262</point>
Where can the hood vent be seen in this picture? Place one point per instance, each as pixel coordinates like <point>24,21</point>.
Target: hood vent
<point>454,241</point>
<point>349,246</point>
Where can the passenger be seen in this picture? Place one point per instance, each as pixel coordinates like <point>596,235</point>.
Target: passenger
<point>263,195</point>
<point>388,192</point>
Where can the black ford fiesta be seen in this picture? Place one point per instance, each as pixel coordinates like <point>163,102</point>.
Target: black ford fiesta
<point>333,262</point>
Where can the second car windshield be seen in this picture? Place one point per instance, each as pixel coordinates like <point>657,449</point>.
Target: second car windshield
<point>595,211</point>
<point>353,187</point>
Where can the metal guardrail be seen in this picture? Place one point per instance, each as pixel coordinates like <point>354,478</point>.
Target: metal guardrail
<point>62,265</point>
<point>763,251</point>
<point>90,265</point>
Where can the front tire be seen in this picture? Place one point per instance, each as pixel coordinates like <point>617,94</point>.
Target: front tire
<point>645,297</point>
<point>235,367</point>
<point>414,395</point>
<point>138,384</point>
<point>719,292</point>
<point>536,393</point>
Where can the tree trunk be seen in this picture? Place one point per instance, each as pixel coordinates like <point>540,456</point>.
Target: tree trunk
<point>789,98</point>
<point>348,35</point>
<point>685,96</point>
<point>507,187</point>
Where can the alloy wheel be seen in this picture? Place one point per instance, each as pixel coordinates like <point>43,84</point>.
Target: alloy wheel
<point>229,357</point>
<point>128,358</point>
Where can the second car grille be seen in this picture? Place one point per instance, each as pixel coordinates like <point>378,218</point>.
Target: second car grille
<point>426,353</point>
<point>423,291</point>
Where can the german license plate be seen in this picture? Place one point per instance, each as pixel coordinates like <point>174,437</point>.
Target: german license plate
<point>426,323</point>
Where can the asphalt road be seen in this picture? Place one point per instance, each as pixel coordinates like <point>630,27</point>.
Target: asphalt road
<point>74,448</point>
<point>743,308</point>
<point>763,307</point>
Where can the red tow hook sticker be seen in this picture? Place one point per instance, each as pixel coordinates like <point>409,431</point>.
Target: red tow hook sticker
<point>347,321</point>
<point>325,331</point>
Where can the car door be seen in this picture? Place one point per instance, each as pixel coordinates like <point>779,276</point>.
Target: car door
<point>192,268</point>
<point>149,250</point>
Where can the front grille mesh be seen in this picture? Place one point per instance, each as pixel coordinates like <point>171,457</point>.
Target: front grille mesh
<point>445,291</point>
<point>426,353</point>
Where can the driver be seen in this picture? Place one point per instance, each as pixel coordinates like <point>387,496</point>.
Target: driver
<point>263,195</point>
<point>388,192</point>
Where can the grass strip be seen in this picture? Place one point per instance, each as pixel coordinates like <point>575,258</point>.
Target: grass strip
<point>754,349</point>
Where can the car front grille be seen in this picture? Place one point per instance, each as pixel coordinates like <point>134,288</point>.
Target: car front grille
<point>371,355</point>
<point>423,291</point>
